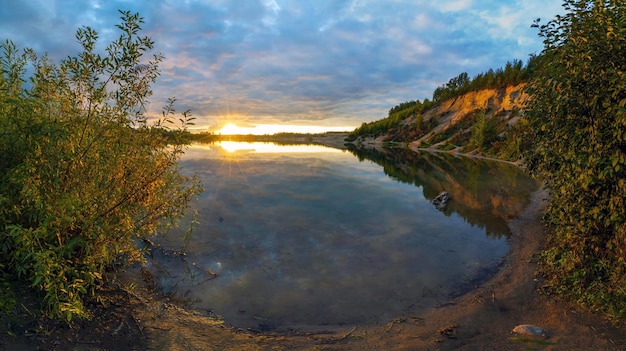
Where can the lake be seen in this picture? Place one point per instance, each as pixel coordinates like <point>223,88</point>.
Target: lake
<point>304,237</point>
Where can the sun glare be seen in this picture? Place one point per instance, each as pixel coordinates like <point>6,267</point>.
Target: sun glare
<point>264,148</point>
<point>268,129</point>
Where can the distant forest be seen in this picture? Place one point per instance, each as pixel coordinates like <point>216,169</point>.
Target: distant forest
<point>512,73</point>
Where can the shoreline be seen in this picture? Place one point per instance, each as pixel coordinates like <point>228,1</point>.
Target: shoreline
<point>481,319</point>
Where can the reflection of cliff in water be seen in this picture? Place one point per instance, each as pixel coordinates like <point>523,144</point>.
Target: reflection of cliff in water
<point>486,193</point>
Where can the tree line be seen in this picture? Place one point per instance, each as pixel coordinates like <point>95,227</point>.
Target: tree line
<point>513,73</point>
<point>396,115</point>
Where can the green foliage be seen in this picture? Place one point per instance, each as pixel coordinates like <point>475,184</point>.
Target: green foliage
<point>484,131</point>
<point>514,142</point>
<point>83,175</point>
<point>447,147</point>
<point>394,120</point>
<point>577,123</point>
<point>8,299</point>
<point>513,73</point>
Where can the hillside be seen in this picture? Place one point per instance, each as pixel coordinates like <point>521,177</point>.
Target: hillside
<point>454,114</point>
<point>452,124</point>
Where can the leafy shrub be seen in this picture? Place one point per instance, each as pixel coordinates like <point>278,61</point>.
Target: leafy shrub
<point>447,147</point>
<point>83,175</point>
<point>484,131</point>
<point>577,125</point>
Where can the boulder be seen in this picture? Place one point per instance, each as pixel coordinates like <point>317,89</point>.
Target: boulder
<point>529,330</point>
<point>441,200</point>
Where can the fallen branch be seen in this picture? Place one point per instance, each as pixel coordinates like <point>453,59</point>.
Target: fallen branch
<point>346,335</point>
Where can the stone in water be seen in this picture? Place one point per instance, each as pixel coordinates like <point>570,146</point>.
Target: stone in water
<point>441,200</point>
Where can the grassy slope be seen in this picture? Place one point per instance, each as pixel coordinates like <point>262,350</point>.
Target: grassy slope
<point>448,125</point>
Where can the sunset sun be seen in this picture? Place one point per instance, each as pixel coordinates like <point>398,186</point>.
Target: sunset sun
<point>263,129</point>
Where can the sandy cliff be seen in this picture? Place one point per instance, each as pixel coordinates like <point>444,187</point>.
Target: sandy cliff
<point>453,116</point>
<point>504,104</point>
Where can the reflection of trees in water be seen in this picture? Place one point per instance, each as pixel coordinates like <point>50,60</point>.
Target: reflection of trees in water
<point>485,193</point>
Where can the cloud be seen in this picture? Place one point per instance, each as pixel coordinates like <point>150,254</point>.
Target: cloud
<point>455,5</point>
<point>329,61</point>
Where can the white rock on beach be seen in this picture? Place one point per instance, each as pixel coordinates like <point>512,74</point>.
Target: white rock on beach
<point>527,329</point>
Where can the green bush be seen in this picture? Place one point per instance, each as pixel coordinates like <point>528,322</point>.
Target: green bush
<point>577,124</point>
<point>484,131</point>
<point>84,176</point>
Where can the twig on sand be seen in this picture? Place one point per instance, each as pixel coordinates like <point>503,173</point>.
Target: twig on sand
<point>158,328</point>
<point>137,324</point>
<point>117,330</point>
<point>346,335</point>
<point>393,322</point>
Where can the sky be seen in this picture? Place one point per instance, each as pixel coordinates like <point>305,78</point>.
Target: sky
<point>278,65</point>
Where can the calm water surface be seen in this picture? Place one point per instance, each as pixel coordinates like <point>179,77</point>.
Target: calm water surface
<point>308,237</point>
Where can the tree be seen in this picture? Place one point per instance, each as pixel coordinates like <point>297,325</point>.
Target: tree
<point>484,131</point>
<point>84,176</point>
<point>577,124</point>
